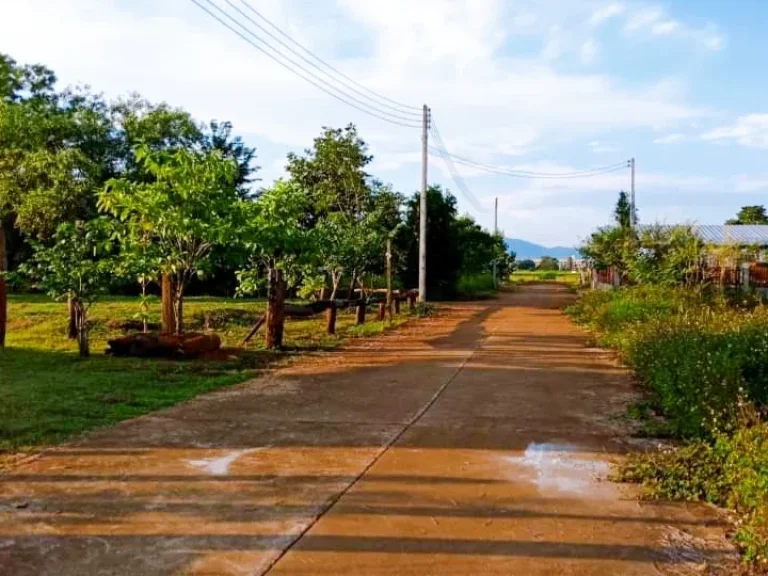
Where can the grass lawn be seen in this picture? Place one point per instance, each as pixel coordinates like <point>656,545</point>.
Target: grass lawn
<point>532,276</point>
<point>50,394</point>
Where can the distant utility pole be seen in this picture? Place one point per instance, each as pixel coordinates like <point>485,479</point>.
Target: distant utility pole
<point>495,232</point>
<point>423,208</point>
<point>632,214</point>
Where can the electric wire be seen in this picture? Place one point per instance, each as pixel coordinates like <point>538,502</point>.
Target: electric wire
<point>391,118</point>
<point>384,101</point>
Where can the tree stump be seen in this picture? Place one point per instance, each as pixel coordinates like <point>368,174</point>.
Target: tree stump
<point>275,309</point>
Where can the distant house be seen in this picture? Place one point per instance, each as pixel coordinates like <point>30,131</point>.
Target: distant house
<point>736,235</point>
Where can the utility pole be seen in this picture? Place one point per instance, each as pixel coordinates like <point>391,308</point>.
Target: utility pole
<point>632,214</point>
<point>495,232</point>
<point>423,208</point>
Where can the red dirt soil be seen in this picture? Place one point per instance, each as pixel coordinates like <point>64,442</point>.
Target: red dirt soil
<point>475,442</point>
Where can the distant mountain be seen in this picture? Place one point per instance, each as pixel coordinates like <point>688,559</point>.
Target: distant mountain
<point>528,250</point>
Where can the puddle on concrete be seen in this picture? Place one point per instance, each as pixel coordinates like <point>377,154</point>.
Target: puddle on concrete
<point>562,469</point>
<point>220,466</point>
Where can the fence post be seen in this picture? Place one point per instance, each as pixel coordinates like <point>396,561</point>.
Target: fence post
<point>411,301</point>
<point>330,315</point>
<point>745,276</point>
<point>383,311</point>
<point>396,302</point>
<point>616,277</point>
<point>361,305</point>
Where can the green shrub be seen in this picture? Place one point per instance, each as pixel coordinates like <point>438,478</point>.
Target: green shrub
<point>475,285</point>
<point>731,471</point>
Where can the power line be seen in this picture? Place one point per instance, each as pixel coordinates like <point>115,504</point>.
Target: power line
<point>320,84</point>
<point>541,175</point>
<point>384,101</point>
<point>455,176</point>
<point>374,105</point>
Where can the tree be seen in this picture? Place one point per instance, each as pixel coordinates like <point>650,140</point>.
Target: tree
<point>274,236</point>
<point>55,149</point>
<point>443,252</point>
<point>750,215</point>
<point>332,173</point>
<point>665,255</point>
<point>622,214</point>
<point>549,263</point>
<point>527,264</point>
<point>188,205</point>
<point>77,266</point>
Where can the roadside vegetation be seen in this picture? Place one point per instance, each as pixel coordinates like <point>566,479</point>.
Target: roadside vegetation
<point>701,356</point>
<point>535,276</point>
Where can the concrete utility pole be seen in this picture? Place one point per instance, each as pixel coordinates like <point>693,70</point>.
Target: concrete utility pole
<point>495,232</point>
<point>423,209</point>
<point>632,214</point>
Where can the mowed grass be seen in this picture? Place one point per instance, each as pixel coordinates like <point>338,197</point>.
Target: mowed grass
<point>535,276</point>
<point>49,394</point>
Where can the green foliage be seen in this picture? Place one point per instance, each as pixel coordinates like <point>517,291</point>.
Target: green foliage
<point>76,266</point>
<point>424,310</point>
<point>622,214</point>
<point>548,263</point>
<point>750,215</point>
<point>274,236</point>
<point>527,265</point>
<point>731,471</point>
<point>475,286</point>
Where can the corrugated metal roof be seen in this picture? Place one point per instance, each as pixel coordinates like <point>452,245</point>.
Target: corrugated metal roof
<point>745,234</point>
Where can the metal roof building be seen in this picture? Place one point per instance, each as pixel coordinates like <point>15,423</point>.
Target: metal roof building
<point>722,234</point>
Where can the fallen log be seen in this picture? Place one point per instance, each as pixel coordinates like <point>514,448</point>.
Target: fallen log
<point>148,345</point>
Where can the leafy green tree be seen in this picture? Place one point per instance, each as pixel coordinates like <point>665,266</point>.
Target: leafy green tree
<point>54,151</point>
<point>332,173</point>
<point>622,214</point>
<point>443,251</point>
<point>77,265</point>
<point>750,215</point>
<point>275,236</point>
<point>549,263</point>
<point>188,205</point>
<point>527,264</point>
<point>666,256</point>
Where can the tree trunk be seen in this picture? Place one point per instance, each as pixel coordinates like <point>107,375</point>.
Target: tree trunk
<point>389,278</point>
<point>81,317</point>
<point>275,309</point>
<point>331,317</point>
<point>178,306</point>
<point>3,294</point>
<point>351,293</point>
<point>144,311</point>
<point>168,314</point>
<point>335,279</point>
<point>72,330</point>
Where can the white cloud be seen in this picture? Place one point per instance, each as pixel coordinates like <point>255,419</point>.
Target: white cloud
<point>746,183</point>
<point>750,130</point>
<point>589,51</point>
<point>655,22</point>
<point>601,147</point>
<point>605,13</point>
<point>669,139</point>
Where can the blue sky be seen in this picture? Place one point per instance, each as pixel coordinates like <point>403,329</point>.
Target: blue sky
<point>542,85</point>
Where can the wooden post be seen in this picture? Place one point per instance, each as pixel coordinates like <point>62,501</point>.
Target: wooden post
<point>3,293</point>
<point>411,301</point>
<point>275,309</point>
<point>389,278</point>
<point>360,319</point>
<point>383,312</point>
<point>397,304</point>
<point>330,315</point>
<point>168,325</point>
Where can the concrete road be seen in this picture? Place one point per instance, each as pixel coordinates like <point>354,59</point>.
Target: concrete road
<point>476,442</point>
